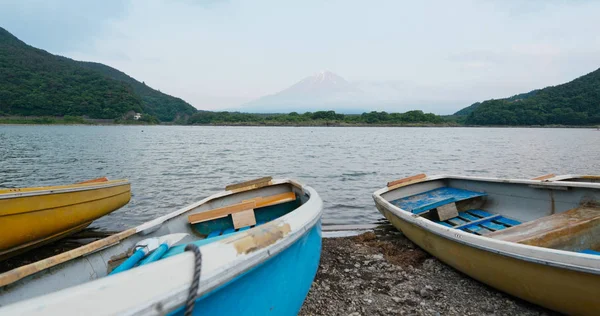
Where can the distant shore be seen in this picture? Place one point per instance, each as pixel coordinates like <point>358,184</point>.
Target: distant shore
<point>16,120</point>
<point>66,120</point>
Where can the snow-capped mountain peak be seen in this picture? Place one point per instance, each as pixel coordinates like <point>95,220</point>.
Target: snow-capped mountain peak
<point>319,83</point>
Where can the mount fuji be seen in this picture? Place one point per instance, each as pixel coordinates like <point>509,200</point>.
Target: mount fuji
<point>328,91</point>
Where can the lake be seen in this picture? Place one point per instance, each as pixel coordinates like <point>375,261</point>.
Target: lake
<point>173,166</point>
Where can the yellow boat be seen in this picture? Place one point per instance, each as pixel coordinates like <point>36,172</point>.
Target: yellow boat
<point>535,239</point>
<point>31,217</point>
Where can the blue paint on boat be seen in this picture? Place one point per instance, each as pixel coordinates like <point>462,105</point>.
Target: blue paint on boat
<point>507,221</point>
<point>278,286</point>
<point>155,255</point>
<point>479,221</point>
<point>590,252</point>
<point>214,233</point>
<point>468,217</point>
<point>480,213</point>
<point>130,262</point>
<point>181,248</point>
<point>457,221</point>
<point>269,213</point>
<point>244,228</point>
<point>475,230</point>
<point>430,206</point>
<point>445,224</point>
<point>492,226</point>
<point>228,231</point>
<point>429,200</point>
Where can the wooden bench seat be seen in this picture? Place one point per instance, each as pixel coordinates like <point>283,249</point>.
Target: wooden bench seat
<point>244,206</point>
<point>573,230</point>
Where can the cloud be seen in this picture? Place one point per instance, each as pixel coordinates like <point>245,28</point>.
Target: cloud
<point>215,53</point>
<point>60,25</point>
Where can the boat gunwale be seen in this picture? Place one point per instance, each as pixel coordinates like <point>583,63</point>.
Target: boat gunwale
<point>553,257</point>
<point>226,262</point>
<point>565,177</point>
<point>66,189</point>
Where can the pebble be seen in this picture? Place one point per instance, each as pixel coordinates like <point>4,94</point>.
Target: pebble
<point>381,276</point>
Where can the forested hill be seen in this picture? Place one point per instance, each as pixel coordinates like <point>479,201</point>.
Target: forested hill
<point>34,82</point>
<point>573,103</point>
<point>161,105</point>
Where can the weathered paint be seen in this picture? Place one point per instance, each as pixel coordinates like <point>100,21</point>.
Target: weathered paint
<point>574,230</point>
<point>276,287</point>
<point>262,214</point>
<point>32,268</point>
<point>561,280</point>
<point>221,264</point>
<point>577,178</point>
<point>31,217</point>
<point>567,291</point>
<point>266,235</point>
<point>431,199</point>
<point>248,183</point>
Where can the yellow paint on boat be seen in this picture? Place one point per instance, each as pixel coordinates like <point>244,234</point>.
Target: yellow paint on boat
<point>567,291</point>
<point>30,217</point>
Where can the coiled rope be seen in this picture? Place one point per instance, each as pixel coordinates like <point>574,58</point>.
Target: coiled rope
<point>191,299</point>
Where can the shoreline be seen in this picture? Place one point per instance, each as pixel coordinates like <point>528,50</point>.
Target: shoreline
<point>383,273</point>
<point>5,123</point>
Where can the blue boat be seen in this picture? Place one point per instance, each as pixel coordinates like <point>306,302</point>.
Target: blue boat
<point>258,243</point>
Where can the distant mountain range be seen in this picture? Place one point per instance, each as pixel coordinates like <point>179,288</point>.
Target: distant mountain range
<point>328,91</point>
<point>34,82</point>
<point>574,103</point>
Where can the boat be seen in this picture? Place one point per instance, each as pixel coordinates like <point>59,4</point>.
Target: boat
<point>259,242</point>
<point>534,239</point>
<point>32,217</point>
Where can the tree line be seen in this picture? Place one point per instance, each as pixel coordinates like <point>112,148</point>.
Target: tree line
<point>317,117</point>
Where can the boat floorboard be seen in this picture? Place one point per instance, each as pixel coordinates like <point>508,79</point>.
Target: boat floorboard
<point>423,202</point>
<point>479,222</point>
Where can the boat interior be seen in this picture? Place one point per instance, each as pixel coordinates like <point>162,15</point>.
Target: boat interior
<point>557,217</point>
<point>224,216</point>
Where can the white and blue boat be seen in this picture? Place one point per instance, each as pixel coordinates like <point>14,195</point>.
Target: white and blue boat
<point>260,244</point>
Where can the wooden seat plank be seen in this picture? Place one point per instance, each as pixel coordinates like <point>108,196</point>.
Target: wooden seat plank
<point>220,212</point>
<point>556,230</point>
<point>250,204</point>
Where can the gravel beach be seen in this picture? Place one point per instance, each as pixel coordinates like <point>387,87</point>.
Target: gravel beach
<point>384,273</point>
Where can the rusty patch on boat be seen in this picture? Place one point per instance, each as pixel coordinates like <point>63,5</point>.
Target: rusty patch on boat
<point>264,237</point>
<point>591,177</point>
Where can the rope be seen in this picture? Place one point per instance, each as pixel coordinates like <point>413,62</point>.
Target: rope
<point>191,299</point>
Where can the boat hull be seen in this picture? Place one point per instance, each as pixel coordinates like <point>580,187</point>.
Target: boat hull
<point>265,269</point>
<point>276,287</point>
<point>29,219</point>
<point>568,291</point>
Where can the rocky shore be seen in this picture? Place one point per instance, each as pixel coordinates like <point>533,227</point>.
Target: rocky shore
<point>384,273</point>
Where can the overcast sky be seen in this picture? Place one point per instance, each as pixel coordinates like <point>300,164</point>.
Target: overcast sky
<point>218,54</point>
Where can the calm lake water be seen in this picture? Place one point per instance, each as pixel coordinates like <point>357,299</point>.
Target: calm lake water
<point>172,166</point>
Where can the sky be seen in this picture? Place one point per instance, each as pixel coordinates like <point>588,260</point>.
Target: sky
<point>220,54</point>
